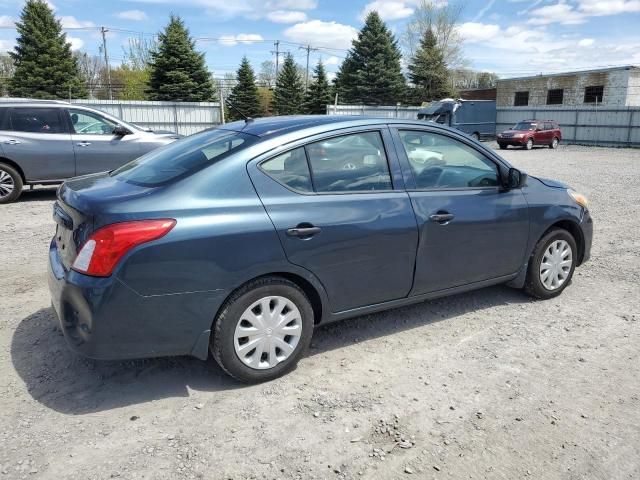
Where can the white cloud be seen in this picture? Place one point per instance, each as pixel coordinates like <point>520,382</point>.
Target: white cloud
<point>286,16</point>
<point>475,32</point>
<point>136,15</point>
<point>484,10</point>
<point>76,43</point>
<point>322,34</point>
<point>230,40</point>
<point>558,13</point>
<point>586,42</point>
<point>6,21</point>
<point>388,9</point>
<point>609,7</point>
<point>332,61</point>
<point>252,9</point>
<point>69,21</point>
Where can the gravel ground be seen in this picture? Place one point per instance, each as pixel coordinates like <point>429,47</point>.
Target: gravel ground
<point>488,384</point>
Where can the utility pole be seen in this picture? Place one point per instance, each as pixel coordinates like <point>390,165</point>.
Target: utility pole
<point>221,104</point>
<point>106,60</point>
<point>306,77</point>
<point>277,52</point>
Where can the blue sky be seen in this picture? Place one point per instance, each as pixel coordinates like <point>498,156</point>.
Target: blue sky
<point>510,37</point>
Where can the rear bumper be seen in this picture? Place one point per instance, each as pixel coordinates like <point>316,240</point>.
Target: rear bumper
<point>103,318</point>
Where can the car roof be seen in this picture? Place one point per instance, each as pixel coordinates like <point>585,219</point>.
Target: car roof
<point>539,120</point>
<point>272,126</point>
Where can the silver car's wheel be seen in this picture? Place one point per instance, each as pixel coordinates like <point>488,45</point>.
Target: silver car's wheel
<point>556,264</point>
<point>7,185</point>
<point>268,332</point>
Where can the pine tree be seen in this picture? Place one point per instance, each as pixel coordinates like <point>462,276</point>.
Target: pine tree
<point>289,95</point>
<point>44,65</point>
<point>428,71</point>
<point>178,71</point>
<point>318,94</point>
<point>371,74</point>
<point>244,95</point>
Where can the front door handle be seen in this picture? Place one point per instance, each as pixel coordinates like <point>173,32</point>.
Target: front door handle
<point>442,217</point>
<point>303,231</point>
<point>12,141</point>
<point>83,144</point>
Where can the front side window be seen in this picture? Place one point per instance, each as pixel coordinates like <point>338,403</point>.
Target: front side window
<point>290,169</point>
<point>183,157</point>
<point>36,120</point>
<point>89,123</point>
<point>349,163</point>
<point>440,162</point>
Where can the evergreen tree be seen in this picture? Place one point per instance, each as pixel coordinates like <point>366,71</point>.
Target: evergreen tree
<point>244,95</point>
<point>178,71</point>
<point>44,65</point>
<point>428,71</point>
<point>289,95</point>
<point>318,94</point>
<point>371,74</point>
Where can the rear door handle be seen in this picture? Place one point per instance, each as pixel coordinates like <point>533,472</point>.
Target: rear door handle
<point>303,232</point>
<point>442,218</point>
<point>83,144</point>
<point>13,141</point>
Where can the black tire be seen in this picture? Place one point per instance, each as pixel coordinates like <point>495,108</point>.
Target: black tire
<point>13,180</point>
<point>529,144</point>
<point>222,340</point>
<point>554,143</point>
<point>502,147</point>
<point>533,284</point>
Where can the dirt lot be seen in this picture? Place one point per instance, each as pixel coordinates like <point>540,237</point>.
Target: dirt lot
<point>488,384</point>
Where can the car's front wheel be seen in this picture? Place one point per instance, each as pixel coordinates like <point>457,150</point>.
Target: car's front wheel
<point>10,184</point>
<point>552,264</point>
<point>502,147</point>
<point>263,330</point>
<point>529,144</point>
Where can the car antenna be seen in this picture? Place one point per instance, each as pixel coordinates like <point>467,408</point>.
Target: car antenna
<point>247,119</point>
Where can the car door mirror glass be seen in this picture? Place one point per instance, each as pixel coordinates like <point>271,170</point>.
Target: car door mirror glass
<point>515,178</point>
<point>121,130</point>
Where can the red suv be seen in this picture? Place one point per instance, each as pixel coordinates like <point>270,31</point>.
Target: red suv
<point>528,133</point>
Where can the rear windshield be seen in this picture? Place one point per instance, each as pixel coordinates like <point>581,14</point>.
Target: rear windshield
<point>183,157</point>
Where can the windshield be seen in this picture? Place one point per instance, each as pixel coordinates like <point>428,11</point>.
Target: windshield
<point>524,126</point>
<point>182,158</point>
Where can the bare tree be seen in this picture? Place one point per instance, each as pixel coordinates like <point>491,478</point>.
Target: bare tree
<point>7,67</point>
<point>267,74</point>
<point>92,71</point>
<point>443,18</point>
<point>137,54</point>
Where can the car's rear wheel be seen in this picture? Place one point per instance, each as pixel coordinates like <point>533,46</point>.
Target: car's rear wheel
<point>263,330</point>
<point>552,264</point>
<point>529,144</point>
<point>554,143</point>
<point>10,184</point>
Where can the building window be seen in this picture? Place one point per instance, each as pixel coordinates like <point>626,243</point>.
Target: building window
<point>521,99</point>
<point>554,97</point>
<point>593,94</point>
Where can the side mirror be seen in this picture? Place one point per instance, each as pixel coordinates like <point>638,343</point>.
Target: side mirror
<point>120,131</point>
<point>514,179</point>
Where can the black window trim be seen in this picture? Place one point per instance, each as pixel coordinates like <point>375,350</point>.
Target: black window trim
<point>594,95</point>
<point>515,98</point>
<point>499,165</point>
<point>555,90</point>
<point>334,134</point>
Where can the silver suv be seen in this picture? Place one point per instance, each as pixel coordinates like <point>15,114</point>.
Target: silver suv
<point>48,141</point>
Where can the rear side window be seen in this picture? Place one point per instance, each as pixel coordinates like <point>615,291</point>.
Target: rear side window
<point>548,126</point>
<point>182,158</point>
<point>349,163</point>
<point>4,119</point>
<point>290,169</point>
<point>36,120</point>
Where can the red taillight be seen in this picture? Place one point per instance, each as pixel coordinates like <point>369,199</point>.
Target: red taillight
<point>100,254</point>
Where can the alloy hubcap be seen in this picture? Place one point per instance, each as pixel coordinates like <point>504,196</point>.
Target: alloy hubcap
<point>555,143</point>
<point>268,332</point>
<point>556,264</point>
<point>6,184</point>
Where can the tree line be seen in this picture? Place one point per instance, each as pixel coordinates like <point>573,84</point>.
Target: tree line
<point>42,65</point>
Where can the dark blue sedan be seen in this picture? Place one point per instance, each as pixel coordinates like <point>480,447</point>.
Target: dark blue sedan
<point>240,240</point>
